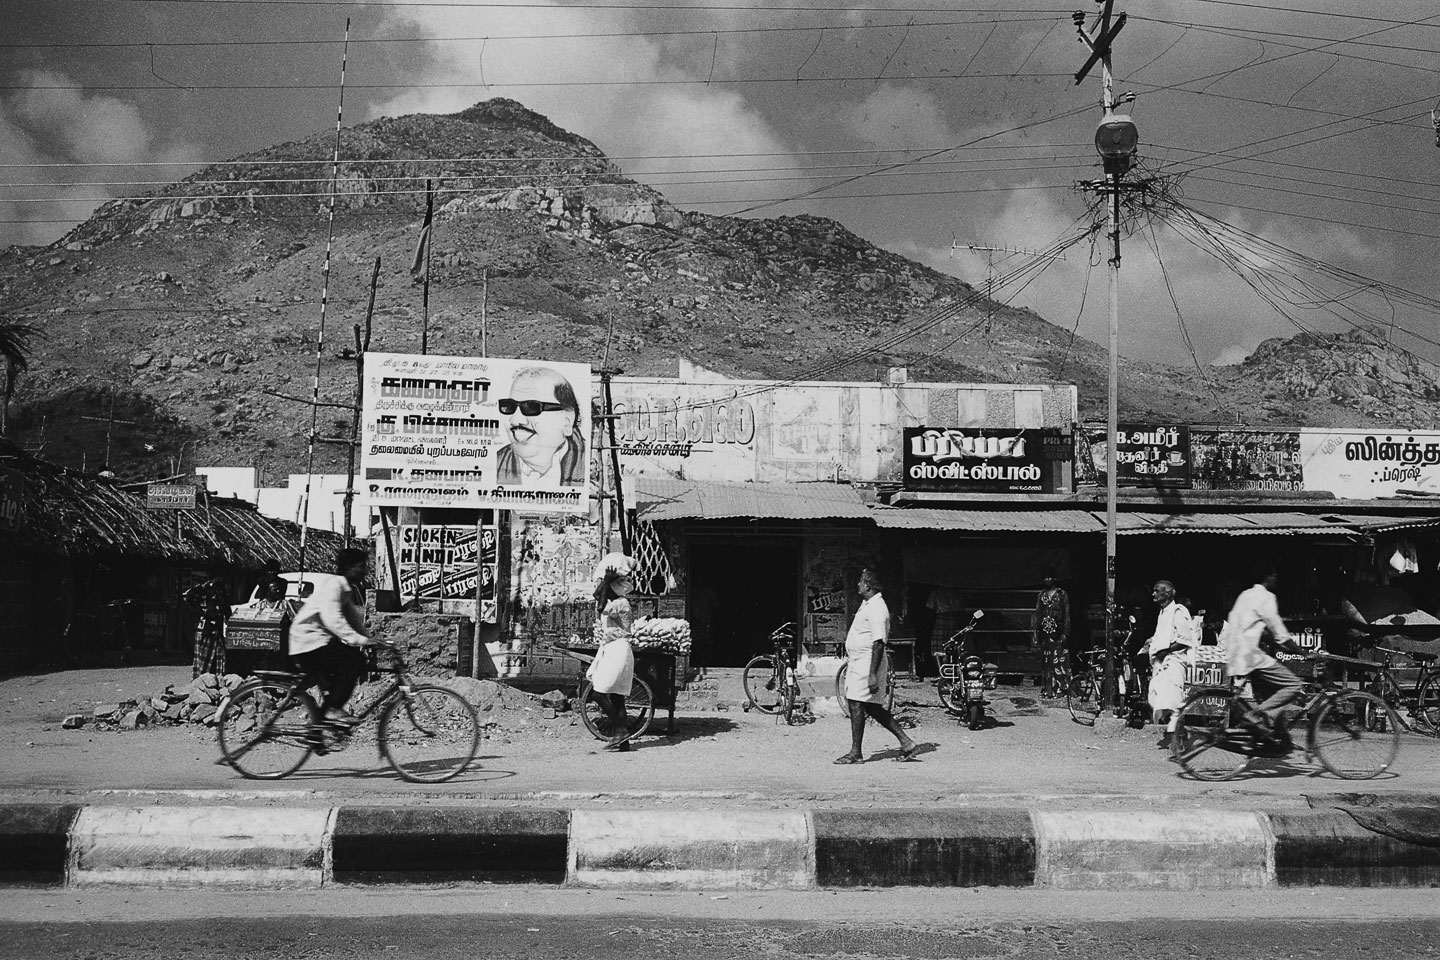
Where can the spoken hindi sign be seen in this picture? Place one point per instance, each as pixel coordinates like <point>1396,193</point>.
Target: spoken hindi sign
<point>959,459</point>
<point>475,432</point>
<point>169,496</point>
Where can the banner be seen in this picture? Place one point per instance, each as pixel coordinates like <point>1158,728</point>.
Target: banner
<point>476,433</point>
<point>1371,464</point>
<point>967,459</point>
<point>169,496</point>
<point>1245,459</point>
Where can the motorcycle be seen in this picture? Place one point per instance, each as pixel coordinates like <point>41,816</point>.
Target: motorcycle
<point>964,677</point>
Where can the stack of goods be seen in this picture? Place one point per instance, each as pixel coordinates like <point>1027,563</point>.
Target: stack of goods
<point>662,634</point>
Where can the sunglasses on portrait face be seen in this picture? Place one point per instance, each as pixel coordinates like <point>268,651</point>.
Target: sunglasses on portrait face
<point>529,408</point>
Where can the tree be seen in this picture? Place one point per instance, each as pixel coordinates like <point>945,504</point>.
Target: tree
<point>14,346</point>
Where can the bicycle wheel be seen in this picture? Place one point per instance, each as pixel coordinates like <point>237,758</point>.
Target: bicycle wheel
<point>765,686</point>
<point>264,730</point>
<point>1427,706</point>
<point>639,709</point>
<point>1347,744</point>
<point>1083,698</point>
<point>429,735</point>
<point>1205,740</point>
<point>844,701</point>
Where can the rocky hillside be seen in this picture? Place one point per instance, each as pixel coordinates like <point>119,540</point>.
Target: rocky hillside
<point>184,326</point>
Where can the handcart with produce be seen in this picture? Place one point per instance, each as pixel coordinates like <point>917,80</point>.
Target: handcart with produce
<point>659,644</point>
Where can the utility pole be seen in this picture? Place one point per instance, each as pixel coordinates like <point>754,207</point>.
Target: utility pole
<point>1115,140</point>
<point>990,270</point>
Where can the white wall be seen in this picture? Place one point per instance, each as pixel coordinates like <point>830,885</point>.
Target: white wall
<point>327,493</point>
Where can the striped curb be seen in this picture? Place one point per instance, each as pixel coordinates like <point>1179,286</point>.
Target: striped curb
<point>252,847</point>
<point>1180,850</point>
<point>265,847</point>
<point>924,848</point>
<point>705,850</point>
<point>34,839</point>
<point>447,844</point>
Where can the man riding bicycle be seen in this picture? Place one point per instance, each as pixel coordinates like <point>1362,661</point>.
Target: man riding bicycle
<point>328,633</point>
<point>1255,610</point>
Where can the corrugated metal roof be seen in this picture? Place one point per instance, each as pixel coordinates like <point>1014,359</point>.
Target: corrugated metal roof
<point>667,499</point>
<point>1372,523</point>
<point>1230,523</point>
<point>988,521</point>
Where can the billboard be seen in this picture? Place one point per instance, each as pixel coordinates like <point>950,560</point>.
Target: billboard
<point>475,433</point>
<point>452,564</point>
<point>1245,459</point>
<point>1146,454</point>
<point>977,459</point>
<point>1371,464</point>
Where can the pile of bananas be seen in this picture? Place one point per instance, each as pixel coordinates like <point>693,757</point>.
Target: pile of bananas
<point>665,634</point>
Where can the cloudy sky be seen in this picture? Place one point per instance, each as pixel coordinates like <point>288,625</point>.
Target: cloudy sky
<point>1296,136</point>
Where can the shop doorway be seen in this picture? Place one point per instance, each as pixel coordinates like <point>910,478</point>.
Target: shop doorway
<point>740,590</point>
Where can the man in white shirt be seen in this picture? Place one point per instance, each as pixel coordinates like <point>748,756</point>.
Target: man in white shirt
<point>1254,611</point>
<point>1174,637</point>
<point>328,633</point>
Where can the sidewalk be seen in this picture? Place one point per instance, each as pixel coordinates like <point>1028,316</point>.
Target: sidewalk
<point>728,800</point>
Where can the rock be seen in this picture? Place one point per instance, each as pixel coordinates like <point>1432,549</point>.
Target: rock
<point>105,710</point>
<point>141,360</point>
<point>552,699</point>
<point>233,680</point>
<point>207,680</point>
<point>74,722</point>
<point>200,696</point>
<point>204,712</point>
<point>159,703</point>
<point>134,720</point>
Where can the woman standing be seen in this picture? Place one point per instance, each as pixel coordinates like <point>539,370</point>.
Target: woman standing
<point>1052,637</point>
<point>865,671</point>
<point>613,672</point>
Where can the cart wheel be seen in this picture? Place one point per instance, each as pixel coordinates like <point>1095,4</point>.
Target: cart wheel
<point>639,710</point>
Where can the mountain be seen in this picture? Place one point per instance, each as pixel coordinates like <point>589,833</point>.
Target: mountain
<point>183,326</point>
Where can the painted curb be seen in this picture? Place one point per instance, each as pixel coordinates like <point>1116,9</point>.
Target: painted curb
<point>446,844</point>
<point>34,843</point>
<point>1181,850</point>
<point>251,847</point>
<point>924,848</point>
<point>1329,848</point>
<point>709,850</point>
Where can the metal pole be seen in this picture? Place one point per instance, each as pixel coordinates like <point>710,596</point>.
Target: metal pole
<point>1112,407</point>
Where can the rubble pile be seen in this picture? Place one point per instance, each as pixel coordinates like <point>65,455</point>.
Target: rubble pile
<point>198,702</point>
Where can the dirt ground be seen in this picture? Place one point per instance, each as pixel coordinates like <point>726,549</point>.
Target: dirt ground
<point>1032,754</point>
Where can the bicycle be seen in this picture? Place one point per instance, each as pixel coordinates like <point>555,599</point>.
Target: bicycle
<point>889,694</point>
<point>271,725</point>
<point>1085,697</point>
<point>770,681</point>
<point>1213,740</point>
<point>1423,706</point>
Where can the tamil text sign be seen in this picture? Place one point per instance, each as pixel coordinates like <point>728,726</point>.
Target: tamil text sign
<point>972,459</point>
<point>170,496</point>
<point>1373,464</point>
<point>475,432</point>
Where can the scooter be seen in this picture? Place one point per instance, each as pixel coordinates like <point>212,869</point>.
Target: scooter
<point>964,677</point>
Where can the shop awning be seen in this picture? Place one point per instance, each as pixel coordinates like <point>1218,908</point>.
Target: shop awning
<point>1084,520</point>
<point>1371,523</point>
<point>660,498</point>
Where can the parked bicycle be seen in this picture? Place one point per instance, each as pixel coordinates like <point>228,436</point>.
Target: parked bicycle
<point>770,680</point>
<point>1085,696</point>
<point>271,725</point>
<point>1213,740</point>
<point>1421,702</point>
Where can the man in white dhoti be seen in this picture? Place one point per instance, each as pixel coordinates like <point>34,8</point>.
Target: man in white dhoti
<point>1175,636</point>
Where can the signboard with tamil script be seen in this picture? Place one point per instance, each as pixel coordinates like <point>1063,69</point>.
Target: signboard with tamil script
<point>1371,464</point>
<point>170,496</point>
<point>971,459</point>
<point>475,432</point>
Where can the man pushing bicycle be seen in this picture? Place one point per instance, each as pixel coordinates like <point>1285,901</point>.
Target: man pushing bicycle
<point>1255,610</point>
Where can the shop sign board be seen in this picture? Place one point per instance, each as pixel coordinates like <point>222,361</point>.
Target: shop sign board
<point>170,496</point>
<point>969,459</point>
<point>475,433</point>
<point>1371,464</point>
<point>12,495</point>
<point>1151,455</point>
<point>1245,459</point>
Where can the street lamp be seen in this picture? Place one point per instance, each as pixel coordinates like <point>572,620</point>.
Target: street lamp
<point>1115,139</point>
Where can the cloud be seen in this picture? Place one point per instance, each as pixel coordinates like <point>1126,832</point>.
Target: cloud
<point>663,124</point>
<point>898,114</point>
<point>52,138</point>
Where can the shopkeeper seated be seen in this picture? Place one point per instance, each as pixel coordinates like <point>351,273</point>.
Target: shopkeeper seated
<point>1375,600</point>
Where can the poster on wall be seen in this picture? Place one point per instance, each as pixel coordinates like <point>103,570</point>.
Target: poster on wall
<point>475,432</point>
<point>973,459</point>
<point>1146,455</point>
<point>555,560</point>
<point>1371,464</point>
<point>1245,459</point>
<point>448,563</point>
